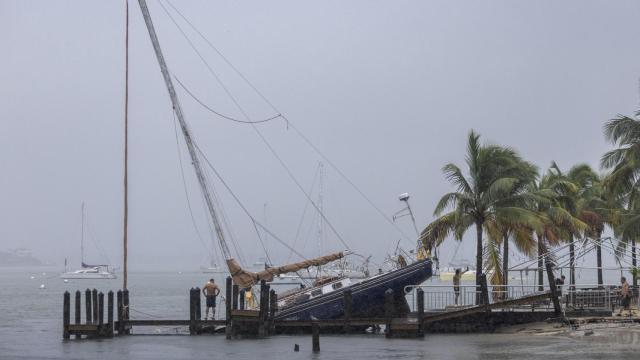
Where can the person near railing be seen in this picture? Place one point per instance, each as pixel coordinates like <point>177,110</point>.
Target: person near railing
<point>625,296</point>
<point>456,282</point>
<point>559,284</point>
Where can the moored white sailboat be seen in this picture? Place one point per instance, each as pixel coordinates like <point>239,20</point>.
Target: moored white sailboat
<point>88,271</point>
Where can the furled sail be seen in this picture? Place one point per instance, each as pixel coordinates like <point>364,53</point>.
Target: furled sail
<point>246,279</point>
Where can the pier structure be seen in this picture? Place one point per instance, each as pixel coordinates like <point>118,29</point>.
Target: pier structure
<point>434,311</point>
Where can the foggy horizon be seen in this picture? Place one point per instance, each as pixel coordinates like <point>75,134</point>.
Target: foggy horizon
<point>387,90</point>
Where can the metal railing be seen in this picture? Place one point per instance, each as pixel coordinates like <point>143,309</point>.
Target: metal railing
<point>578,297</point>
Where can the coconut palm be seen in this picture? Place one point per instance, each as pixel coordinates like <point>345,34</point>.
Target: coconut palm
<point>482,197</point>
<point>570,188</point>
<point>557,222</point>
<point>624,162</point>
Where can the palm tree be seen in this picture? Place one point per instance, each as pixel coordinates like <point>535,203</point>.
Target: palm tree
<point>557,222</point>
<point>624,162</point>
<point>481,197</point>
<point>570,188</point>
<point>624,180</point>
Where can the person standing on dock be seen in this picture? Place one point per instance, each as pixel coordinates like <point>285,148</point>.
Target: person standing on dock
<point>210,291</point>
<point>625,296</point>
<point>456,282</point>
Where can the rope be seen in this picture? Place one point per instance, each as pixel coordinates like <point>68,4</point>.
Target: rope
<point>274,117</point>
<point>274,153</point>
<point>244,209</point>
<point>275,109</point>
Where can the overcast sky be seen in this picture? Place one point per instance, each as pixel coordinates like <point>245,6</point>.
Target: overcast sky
<point>388,90</point>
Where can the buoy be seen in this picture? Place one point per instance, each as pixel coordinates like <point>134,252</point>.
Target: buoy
<point>42,286</point>
<point>32,277</point>
<point>66,281</point>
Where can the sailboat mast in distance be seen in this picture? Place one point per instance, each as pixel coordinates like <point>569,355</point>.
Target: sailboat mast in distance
<point>82,235</point>
<point>126,149</point>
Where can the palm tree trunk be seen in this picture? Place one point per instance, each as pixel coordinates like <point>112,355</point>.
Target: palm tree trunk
<point>634,263</point>
<point>572,262</point>
<point>599,259</point>
<point>540,264</point>
<point>505,261</point>
<point>479,259</point>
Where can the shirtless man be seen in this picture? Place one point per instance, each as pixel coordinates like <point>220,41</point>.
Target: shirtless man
<point>625,296</point>
<point>210,291</point>
<point>456,282</point>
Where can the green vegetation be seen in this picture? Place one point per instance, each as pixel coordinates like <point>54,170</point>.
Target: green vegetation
<point>506,199</point>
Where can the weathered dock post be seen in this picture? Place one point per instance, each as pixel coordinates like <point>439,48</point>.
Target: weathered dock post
<point>348,309</point>
<point>100,311</point>
<point>199,304</point>
<point>120,328</point>
<point>109,331</point>
<point>227,300</point>
<point>241,299</point>
<point>78,307</point>
<point>192,311</point>
<point>94,302</point>
<point>66,315</point>
<point>388,311</point>
<point>420,305</point>
<point>234,301</point>
<point>125,313</point>
<point>264,309</point>
<point>87,305</point>
<point>273,307</point>
<point>557,308</point>
<point>315,336</point>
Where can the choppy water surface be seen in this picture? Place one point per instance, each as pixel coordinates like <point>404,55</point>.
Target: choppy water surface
<point>31,328</point>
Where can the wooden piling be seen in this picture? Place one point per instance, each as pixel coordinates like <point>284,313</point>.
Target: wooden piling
<point>264,309</point>
<point>388,311</point>
<point>241,299</point>
<point>234,299</point>
<point>120,328</point>
<point>315,336</point>
<point>420,311</point>
<point>273,307</point>
<point>109,331</point>
<point>100,310</point>
<point>78,307</point>
<point>88,307</point>
<point>348,309</point>
<point>94,302</point>
<point>192,312</point>
<point>228,294</point>
<point>125,311</point>
<point>198,300</point>
<point>66,315</point>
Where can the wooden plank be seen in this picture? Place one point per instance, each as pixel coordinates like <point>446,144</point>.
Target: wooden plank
<point>245,313</point>
<point>171,322</point>
<point>83,327</point>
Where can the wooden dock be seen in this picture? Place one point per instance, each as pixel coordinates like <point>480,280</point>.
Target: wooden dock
<point>240,322</point>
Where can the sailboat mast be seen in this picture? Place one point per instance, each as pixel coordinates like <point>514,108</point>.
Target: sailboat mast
<point>185,128</point>
<point>126,151</point>
<point>82,236</point>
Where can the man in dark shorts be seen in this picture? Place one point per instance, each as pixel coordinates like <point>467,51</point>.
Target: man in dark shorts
<point>456,283</point>
<point>210,291</point>
<point>625,296</point>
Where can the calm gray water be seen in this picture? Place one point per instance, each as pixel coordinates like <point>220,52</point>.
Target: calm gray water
<point>31,328</point>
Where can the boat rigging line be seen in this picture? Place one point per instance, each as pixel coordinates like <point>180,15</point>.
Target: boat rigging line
<point>274,108</point>
<point>260,135</point>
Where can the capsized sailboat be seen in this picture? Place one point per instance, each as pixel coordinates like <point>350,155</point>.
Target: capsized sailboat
<point>322,301</point>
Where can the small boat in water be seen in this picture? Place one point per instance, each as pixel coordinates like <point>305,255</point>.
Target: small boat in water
<point>87,271</point>
<point>90,272</point>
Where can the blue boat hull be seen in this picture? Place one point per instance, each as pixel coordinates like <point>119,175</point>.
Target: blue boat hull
<point>368,296</point>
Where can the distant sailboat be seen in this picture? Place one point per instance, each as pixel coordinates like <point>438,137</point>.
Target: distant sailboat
<point>87,271</point>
